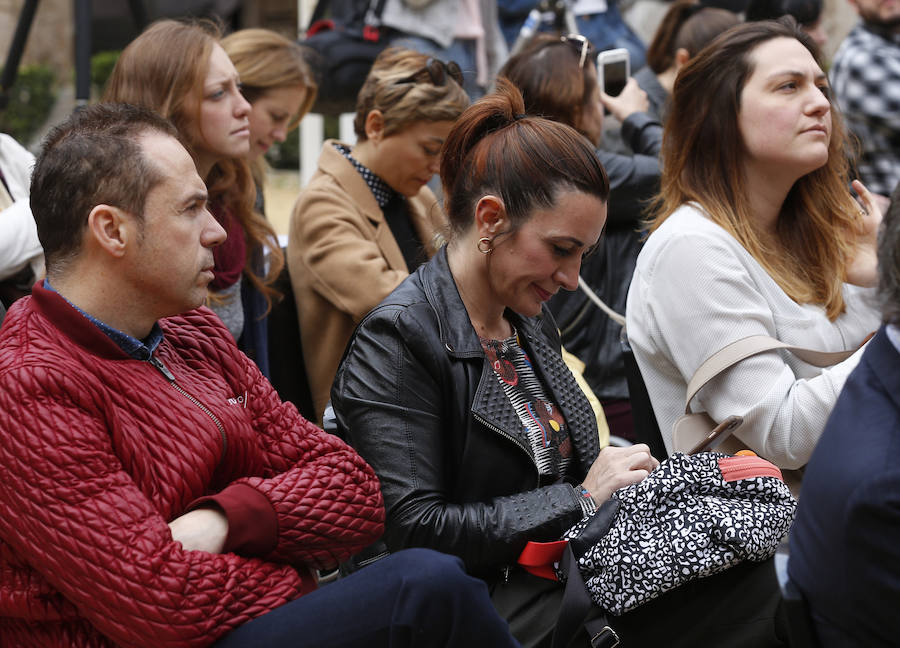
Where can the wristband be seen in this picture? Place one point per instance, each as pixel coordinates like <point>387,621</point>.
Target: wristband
<point>588,506</point>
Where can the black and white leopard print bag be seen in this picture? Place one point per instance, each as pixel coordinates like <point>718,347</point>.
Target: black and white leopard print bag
<point>694,516</point>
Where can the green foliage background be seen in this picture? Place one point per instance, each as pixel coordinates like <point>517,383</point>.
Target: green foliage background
<point>35,92</point>
<point>102,64</point>
<point>30,101</point>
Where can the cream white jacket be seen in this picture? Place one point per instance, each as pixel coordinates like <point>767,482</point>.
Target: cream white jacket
<point>695,290</point>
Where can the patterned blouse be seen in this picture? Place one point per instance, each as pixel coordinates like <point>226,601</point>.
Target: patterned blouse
<point>542,420</point>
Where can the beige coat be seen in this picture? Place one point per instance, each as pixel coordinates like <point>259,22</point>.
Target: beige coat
<point>343,260</point>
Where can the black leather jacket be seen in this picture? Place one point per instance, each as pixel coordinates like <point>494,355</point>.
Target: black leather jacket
<point>416,398</point>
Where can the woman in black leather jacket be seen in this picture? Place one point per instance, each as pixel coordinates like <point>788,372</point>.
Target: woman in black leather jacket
<point>454,389</point>
<point>560,83</point>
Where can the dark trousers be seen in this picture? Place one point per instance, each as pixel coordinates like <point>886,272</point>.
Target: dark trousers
<point>416,597</point>
<point>531,606</point>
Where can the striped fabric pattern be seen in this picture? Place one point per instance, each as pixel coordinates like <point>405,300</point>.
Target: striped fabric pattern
<point>542,420</point>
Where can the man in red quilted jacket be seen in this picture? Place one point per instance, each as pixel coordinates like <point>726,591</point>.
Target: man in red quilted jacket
<point>154,491</point>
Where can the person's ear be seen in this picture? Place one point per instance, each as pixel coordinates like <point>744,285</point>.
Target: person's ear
<point>490,216</point>
<point>682,56</point>
<point>374,126</point>
<point>112,229</point>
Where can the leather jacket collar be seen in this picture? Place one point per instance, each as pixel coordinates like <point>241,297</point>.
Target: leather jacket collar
<point>457,334</point>
<point>540,337</point>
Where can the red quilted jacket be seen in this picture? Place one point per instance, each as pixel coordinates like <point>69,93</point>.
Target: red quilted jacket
<point>100,451</point>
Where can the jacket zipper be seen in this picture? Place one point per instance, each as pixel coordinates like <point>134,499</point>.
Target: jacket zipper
<point>156,362</point>
<point>515,442</point>
<point>505,569</point>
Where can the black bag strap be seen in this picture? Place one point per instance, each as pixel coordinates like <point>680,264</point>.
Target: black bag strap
<point>576,607</point>
<point>577,604</point>
<point>374,9</point>
<point>318,12</point>
<point>378,9</point>
<point>601,634</point>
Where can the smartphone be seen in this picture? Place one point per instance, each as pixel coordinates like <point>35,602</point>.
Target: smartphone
<point>613,70</point>
<point>718,434</point>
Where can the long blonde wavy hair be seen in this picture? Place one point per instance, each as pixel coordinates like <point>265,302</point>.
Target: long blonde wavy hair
<point>266,60</point>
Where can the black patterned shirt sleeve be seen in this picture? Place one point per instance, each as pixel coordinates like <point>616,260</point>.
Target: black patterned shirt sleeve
<point>865,79</point>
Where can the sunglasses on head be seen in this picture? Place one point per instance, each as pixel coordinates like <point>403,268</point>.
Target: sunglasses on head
<point>580,43</point>
<point>437,72</point>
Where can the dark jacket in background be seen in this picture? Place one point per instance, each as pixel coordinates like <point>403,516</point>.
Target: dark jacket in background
<point>656,94</point>
<point>587,332</point>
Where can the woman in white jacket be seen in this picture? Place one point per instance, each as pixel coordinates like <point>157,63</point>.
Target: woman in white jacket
<point>755,233</point>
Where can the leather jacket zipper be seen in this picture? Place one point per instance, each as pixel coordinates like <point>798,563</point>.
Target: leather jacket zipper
<point>515,442</point>
<point>504,571</point>
<point>156,362</point>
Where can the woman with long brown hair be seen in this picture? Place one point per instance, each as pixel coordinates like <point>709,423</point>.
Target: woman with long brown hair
<point>755,233</point>
<point>180,71</point>
<point>278,83</point>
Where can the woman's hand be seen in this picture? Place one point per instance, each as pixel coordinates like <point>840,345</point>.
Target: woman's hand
<point>617,467</point>
<point>203,529</point>
<point>863,267</point>
<point>632,99</point>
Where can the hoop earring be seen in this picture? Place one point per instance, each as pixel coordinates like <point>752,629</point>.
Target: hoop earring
<point>485,245</point>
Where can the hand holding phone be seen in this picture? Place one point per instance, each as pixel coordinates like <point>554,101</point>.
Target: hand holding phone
<point>613,70</point>
<point>632,99</point>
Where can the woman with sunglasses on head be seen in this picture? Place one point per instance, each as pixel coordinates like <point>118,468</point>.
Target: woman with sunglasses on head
<point>367,219</point>
<point>180,71</point>
<point>454,389</point>
<point>755,233</point>
<point>558,79</point>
